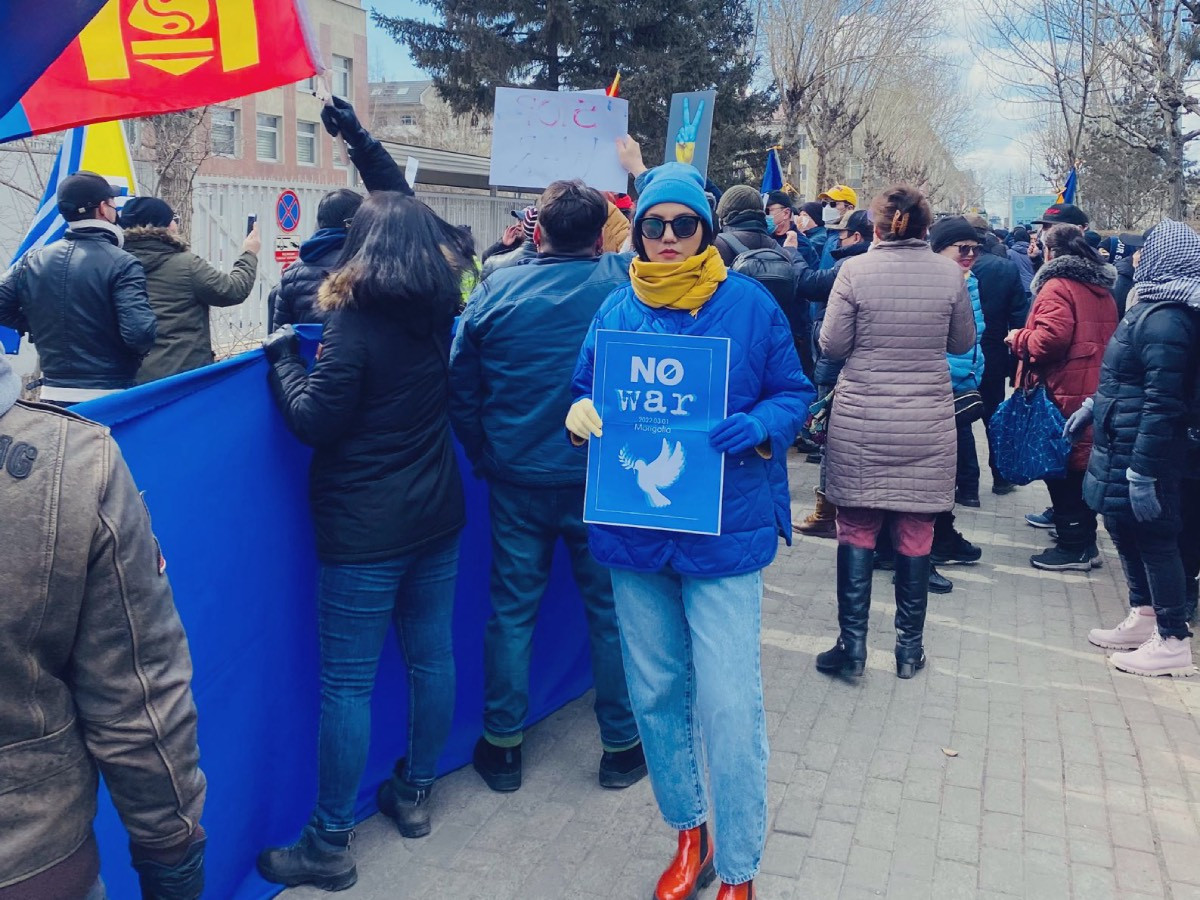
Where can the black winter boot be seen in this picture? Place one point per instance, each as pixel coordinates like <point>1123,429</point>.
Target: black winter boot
<point>848,656</point>
<point>405,804</point>
<point>319,858</point>
<point>912,599</point>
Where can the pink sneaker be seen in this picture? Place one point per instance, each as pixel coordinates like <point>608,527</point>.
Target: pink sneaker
<point>1158,656</point>
<point>1137,628</point>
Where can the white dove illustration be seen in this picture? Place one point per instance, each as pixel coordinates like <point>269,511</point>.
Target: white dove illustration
<point>653,477</point>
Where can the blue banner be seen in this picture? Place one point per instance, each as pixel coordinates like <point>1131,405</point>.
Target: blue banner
<point>227,487</point>
<point>659,396</point>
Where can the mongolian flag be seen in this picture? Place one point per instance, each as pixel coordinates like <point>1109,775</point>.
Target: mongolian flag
<point>614,89</point>
<point>30,40</point>
<point>143,57</point>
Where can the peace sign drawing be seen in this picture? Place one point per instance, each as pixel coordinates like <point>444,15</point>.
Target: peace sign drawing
<point>689,128</point>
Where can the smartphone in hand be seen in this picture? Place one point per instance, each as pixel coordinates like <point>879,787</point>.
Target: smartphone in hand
<point>251,221</point>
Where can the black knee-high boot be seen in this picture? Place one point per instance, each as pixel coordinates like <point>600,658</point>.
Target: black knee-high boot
<point>848,656</point>
<point>912,599</point>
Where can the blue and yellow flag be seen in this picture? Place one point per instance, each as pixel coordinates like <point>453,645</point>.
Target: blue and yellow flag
<point>1067,194</point>
<point>99,148</point>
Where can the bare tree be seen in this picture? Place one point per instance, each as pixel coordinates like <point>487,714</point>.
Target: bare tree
<point>1153,51</point>
<point>179,143</point>
<point>828,59</point>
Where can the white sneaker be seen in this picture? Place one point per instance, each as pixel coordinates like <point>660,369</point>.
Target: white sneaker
<point>1158,656</point>
<point>1137,628</point>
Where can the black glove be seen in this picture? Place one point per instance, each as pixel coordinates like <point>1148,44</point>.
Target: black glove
<point>340,118</point>
<point>280,343</point>
<point>182,881</point>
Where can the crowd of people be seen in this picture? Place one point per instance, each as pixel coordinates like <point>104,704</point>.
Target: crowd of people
<point>889,330</point>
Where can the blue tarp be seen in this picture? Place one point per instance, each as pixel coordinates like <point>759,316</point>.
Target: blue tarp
<point>226,484</point>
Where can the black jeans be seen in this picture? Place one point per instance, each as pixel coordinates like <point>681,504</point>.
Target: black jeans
<point>1074,519</point>
<point>966,478</point>
<point>1153,568</point>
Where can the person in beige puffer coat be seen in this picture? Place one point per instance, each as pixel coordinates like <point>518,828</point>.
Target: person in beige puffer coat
<point>893,315</point>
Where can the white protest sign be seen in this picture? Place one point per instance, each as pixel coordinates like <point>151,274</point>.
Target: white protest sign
<point>410,171</point>
<point>543,136</point>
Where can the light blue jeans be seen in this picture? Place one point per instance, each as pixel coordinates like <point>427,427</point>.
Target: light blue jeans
<point>692,660</point>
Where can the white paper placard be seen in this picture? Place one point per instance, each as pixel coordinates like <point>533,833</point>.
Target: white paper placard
<point>544,136</point>
<point>410,171</point>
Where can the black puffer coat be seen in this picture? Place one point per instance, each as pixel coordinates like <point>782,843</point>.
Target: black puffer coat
<point>384,481</point>
<point>294,300</point>
<point>1139,424</point>
<point>83,302</point>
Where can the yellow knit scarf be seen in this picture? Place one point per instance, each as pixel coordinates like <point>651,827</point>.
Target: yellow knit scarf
<point>678,285</point>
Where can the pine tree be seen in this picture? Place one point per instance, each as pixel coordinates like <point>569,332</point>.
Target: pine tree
<point>690,45</point>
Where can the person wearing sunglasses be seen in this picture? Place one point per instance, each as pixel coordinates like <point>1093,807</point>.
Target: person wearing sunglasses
<point>689,606</point>
<point>958,240</point>
<point>1062,346</point>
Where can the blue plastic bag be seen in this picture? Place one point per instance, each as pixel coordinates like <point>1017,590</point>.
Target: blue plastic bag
<point>1026,434</point>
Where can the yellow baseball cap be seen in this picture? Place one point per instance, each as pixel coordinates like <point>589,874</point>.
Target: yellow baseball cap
<point>840,192</point>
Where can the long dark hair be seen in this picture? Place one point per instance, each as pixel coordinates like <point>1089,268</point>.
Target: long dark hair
<point>400,256</point>
<point>1068,240</point>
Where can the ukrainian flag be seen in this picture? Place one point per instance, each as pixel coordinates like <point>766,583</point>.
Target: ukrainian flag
<point>99,148</point>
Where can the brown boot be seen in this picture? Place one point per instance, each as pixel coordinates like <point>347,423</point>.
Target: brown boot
<point>822,522</point>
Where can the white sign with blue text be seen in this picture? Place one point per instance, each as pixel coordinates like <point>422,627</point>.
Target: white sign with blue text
<point>659,395</point>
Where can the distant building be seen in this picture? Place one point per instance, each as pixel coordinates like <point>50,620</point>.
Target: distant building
<point>277,135</point>
<point>399,108</point>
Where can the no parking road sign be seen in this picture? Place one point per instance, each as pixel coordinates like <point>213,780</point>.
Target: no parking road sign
<point>287,210</point>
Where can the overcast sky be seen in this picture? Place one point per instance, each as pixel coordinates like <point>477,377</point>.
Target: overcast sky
<point>1001,146</point>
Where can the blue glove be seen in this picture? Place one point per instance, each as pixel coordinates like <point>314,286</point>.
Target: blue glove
<point>1079,421</point>
<point>737,434</point>
<point>1143,497</point>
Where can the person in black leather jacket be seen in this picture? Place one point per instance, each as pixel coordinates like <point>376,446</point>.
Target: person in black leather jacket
<point>294,300</point>
<point>388,508</point>
<point>82,299</point>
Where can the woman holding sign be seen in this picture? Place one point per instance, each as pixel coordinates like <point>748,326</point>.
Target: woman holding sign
<point>689,604</point>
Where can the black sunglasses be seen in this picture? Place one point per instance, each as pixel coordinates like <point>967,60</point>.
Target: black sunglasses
<point>965,250</point>
<point>682,227</point>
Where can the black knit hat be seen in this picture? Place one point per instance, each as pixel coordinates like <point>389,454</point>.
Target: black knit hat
<point>814,210</point>
<point>146,211</point>
<point>949,231</point>
<point>779,198</point>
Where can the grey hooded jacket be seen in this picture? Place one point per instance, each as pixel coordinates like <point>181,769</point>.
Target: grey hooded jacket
<point>95,673</point>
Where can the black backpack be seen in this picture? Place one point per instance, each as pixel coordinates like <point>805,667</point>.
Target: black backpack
<point>769,266</point>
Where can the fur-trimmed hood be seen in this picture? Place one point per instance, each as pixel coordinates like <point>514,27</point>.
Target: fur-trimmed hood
<point>335,293</point>
<point>1075,268</point>
<point>145,233</point>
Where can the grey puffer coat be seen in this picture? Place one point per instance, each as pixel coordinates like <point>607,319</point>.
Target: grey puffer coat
<point>893,315</point>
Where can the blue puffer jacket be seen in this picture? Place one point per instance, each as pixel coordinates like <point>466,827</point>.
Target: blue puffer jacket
<point>765,381</point>
<point>966,369</point>
<point>511,364</point>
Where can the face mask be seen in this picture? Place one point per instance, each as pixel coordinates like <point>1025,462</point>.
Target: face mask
<point>770,222</point>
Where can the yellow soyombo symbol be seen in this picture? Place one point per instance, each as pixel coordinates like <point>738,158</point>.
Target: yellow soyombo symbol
<point>157,36</point>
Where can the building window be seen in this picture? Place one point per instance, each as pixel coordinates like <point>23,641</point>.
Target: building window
<point>266,138</point>
<point>306,143</point>
<point>224,134</point>
<point>343,77</point>
<point>308,85</point>
<point>133,134</point>
<point>802,173</point>
<point>802,141</point>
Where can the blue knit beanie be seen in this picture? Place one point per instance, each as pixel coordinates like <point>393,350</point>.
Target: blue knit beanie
<point>674,183</point>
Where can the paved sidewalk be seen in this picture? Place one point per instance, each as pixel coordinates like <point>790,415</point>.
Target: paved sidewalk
<point>1071,780</point>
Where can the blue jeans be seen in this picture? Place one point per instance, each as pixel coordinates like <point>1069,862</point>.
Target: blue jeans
<point>356,604</point>
<point>693,662</point>
<point>526,524</point>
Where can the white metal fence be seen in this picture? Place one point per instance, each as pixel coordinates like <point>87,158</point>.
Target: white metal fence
<point>221,206</point>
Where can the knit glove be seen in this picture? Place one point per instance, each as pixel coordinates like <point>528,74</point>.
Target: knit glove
<point>738,434</point>
<point>1143,497</point>
<point>1079,421</point>
<point>583,421</point>
<point>280,343</point>
<point>340,118</point>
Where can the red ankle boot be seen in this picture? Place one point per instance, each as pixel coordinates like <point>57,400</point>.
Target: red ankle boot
<point>691,869</point>
<point>743,891</point>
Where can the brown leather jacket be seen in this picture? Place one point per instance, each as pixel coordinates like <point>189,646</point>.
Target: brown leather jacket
<point>94,665</point>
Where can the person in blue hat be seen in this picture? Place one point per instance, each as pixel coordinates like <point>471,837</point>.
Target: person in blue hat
<point>688,605</point>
